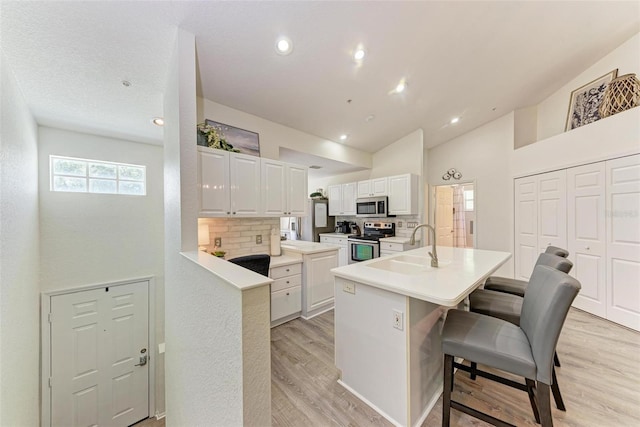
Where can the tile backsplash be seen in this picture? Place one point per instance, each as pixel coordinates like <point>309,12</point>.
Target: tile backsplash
<point>239,234</point>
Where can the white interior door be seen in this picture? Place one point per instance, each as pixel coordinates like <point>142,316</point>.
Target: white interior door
<point>444,215</point>
<point>552,210</point>
<point>623,241</point>
<point>98,338</point>
<point>586,235</point>
<point>526,226</point>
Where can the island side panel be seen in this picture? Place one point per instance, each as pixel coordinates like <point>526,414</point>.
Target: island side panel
<point>371,354</point>
<point>425,357</point>
<point>317,279</point>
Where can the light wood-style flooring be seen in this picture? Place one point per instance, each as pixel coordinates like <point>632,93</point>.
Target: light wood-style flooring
<point>599,379</point>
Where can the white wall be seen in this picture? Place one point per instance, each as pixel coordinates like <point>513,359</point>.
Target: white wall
<point>552,112</point>
<point>19,250</point>
<point>100,238</point>
<point>484,157</point>
<point>274,135</point>
<point>210,376</point>
<point>402,156</point>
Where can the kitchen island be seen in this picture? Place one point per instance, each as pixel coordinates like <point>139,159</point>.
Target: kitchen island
<point>388,319</point>
<point>317,281</point>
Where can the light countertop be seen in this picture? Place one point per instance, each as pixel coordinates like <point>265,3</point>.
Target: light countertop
<point>461,271</point>
<point>235,275</point>
<point>304,247</point>
<point>279,261</point>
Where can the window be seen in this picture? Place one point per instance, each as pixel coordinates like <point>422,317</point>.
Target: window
<point>94,176</point>
<point>468,200</point>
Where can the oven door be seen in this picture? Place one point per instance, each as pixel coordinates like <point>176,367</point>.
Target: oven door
<point>363,251</point>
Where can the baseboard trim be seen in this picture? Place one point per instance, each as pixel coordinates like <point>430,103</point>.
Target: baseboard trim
<point>160,415</point>
<point>374,407</point>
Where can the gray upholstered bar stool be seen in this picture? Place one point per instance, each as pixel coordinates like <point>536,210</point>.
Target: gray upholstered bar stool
<point>515,286</point>
<point>507,306</point>
<point>525,350</point>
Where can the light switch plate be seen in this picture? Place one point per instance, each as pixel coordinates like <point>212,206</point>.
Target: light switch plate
<point>258,239</point>
<point>217,241</point>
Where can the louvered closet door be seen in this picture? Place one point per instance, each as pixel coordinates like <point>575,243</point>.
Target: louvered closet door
<point>586,235</point>
<point>552,210</point>
<point>526,226</point>
<point>623,241</point>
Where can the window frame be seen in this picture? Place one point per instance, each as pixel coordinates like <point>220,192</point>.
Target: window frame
<point>88,179</point>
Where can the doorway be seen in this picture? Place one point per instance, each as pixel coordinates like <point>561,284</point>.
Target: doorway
<point>455,215</point>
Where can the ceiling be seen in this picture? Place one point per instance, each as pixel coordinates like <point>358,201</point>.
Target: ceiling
<point>475,60</point>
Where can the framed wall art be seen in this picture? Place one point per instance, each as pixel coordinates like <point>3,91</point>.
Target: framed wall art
<point>228,138</point>
<point>585,101</point>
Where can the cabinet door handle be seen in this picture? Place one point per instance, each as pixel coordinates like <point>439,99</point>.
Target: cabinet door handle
<point>587,248</point>
<point>228,213</point>
<point>287,270</point>
<point>287,293</point>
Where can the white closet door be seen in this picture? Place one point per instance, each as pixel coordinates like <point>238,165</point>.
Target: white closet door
<point>623,241</point>
<point>552,210</point>
<point>526,226</point>
<point>586,235</point>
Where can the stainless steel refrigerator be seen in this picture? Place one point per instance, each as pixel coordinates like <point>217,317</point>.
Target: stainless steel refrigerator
<point>318,221</point>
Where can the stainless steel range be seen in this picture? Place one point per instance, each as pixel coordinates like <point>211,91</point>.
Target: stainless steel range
<point>367,246</point>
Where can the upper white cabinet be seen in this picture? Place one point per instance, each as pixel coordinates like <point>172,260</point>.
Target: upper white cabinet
<point>229,183</point>
<point>373,187</point>
<point>284,188</point>
<point>403,194</point>
<point>342,199</point>
<point>592,210</point>
<point>237,185</point>
<point>213,182</point>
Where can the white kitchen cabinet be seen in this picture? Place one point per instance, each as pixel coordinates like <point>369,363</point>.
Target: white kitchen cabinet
<point>403,194</point>
<point>284,188</point>
<point>541,213</point>
<point>342,241</point>
<point>373,187</point>
<point>318,282</point>
<point>342,199</point>
<point>391,247</point>
<point>286,292</point>
<point>229,183</point>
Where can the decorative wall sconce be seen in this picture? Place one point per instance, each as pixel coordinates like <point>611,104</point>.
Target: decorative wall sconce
<point>451,173</point>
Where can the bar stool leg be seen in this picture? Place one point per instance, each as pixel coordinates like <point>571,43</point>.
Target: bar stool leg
<point>472,374</point>
<point>556,361</point>
<point>544,404</point>
<point>555,388</point>
<point>446,391</point>
<point>531,387</point>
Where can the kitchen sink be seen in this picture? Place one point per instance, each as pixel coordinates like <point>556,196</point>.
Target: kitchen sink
<point>407,264</point>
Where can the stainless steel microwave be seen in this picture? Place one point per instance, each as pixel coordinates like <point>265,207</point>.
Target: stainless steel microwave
<point>372,207</point>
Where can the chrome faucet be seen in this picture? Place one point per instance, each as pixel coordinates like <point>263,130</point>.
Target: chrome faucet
<point>433,254</point>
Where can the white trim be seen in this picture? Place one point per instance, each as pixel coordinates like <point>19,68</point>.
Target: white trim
<point>429,407</point>
<point>597,159</point>
<point>319,312</point>
<point>45,342</point>
<point>374,407</point>
<point>161,415</point>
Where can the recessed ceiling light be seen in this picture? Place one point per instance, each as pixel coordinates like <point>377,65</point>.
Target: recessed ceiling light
<point>369,118</point>
<point>343,137</point>
<point>284,46</point>
<point>158,121</point>
<point>126,83</point>
<point>455,120</point>
<point>401,86</point>
<point>359,54</point>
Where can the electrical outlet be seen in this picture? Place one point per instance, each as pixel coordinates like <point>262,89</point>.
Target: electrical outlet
<point>399,224</point>
<point>217,241</point>
<point>258,239</point>
<point>398,319</point>
<point>349,287</point>
<point>412,224</point>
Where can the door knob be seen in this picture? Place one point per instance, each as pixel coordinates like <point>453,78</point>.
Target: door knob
<point>143,361</point>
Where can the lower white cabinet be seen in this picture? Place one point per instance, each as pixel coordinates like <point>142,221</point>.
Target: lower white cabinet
<point>342,241</point>
<point>286,293</point>
<point>317,291</point>
<point>392,248</point>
